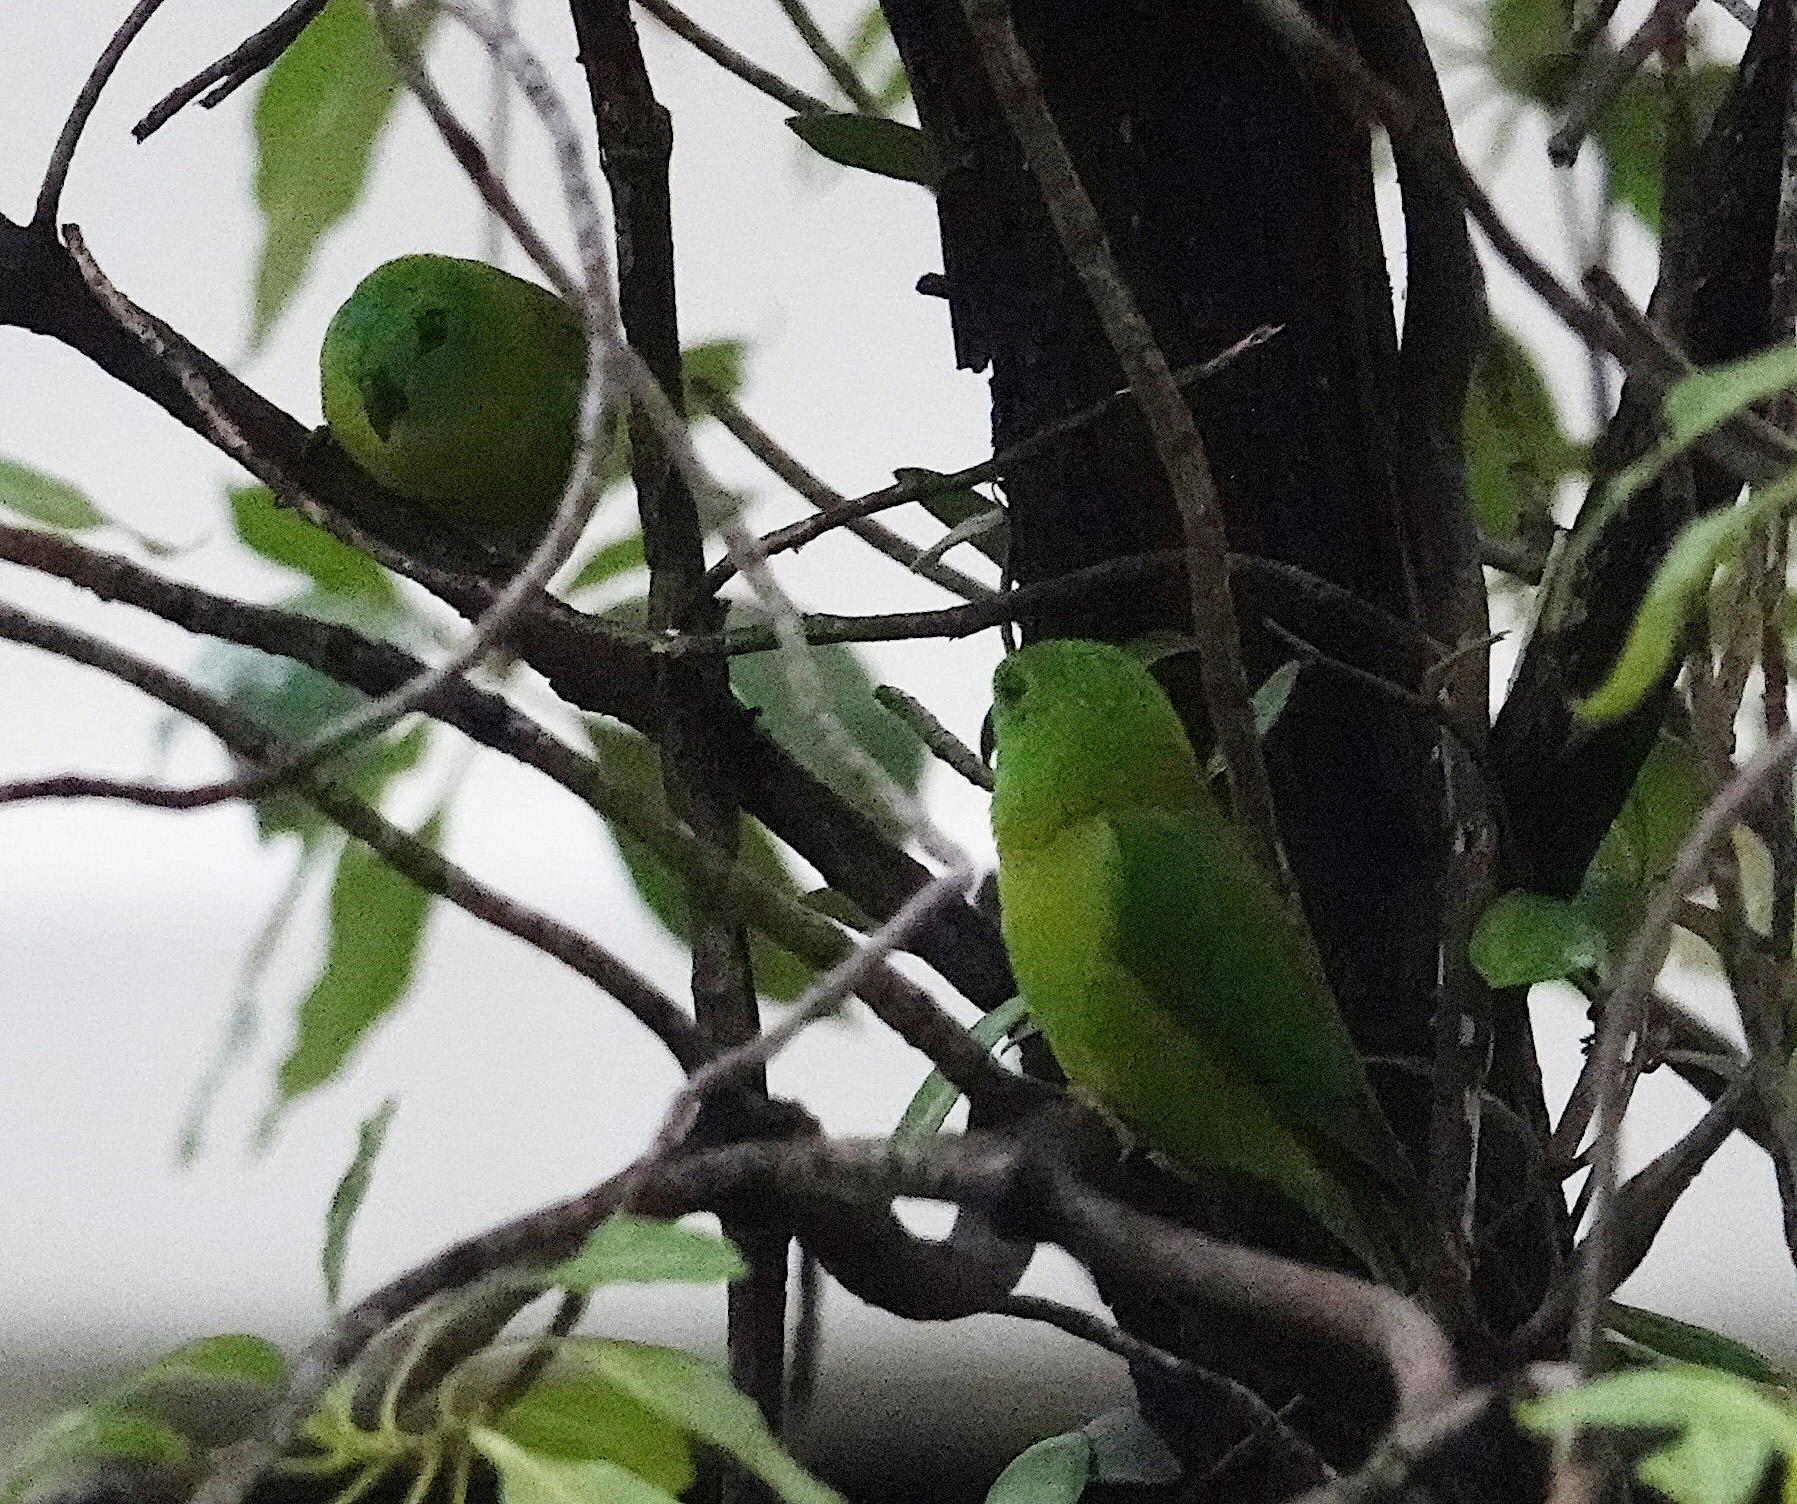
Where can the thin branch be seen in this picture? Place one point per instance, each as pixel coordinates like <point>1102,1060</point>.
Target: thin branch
<point>732,61</point>
<point>56,173</point>
<point>942,743</point>
<point>1163,406</point>
<point>760,443</point>
<point>1624,1012</point>
<point>404,852</point>
<point>923,487</point>
<point>1604,74</point>
<point>835,64</point>
<point>235,69</point>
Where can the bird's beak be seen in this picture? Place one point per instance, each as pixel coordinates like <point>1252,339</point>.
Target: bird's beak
<point>987,740</point>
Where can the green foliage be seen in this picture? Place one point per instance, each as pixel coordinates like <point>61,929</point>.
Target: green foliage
<point>1516,452</point>
<point>530,1478</point>
<point>1643,841</point>
<point>869,50</point>
<point>1669,1340</point>
<point>644,1250</point>
<point>1694,407</point>
<point>761,682</point>
<point>377,928</point>
<point>352,1189</point>
<point>576,1415</point>
<point>959,507</point>
<point>935,1099</point>
<point>1524,938</point>
<point>633,764</point>
<point>43,498</point>
<point>1725,1432</point>
<point>319,113</point>
<point>874,144</point>
<point>283,536</point>
<point>1118,1449</point>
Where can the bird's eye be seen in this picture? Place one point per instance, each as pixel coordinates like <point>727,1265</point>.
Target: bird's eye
<point>433,329</point>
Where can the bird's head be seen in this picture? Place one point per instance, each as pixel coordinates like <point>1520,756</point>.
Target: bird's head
<point>1080,728</point>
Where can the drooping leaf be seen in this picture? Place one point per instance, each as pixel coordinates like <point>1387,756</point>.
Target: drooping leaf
<point>377,930</point>
<point>873,144</point>
<point>1681,580</point>
<point>531,1478</point>
<point>1524,938</point>
<point>1053,1471</point>
<point>1643,840</point>
<point>347,1198</point>
<point>761,682</point>
<point>1727,1433</point>
<point>958,506</point>
<point>43,498</point>
<point>631,761</point>
<point>695,1396</point>
<point>644,1250</point>
<point>282,536</point>
<point>1675,1341</point>
<point>1516,451</point>
<point>935,1099</point>
<point>575,1413</point>
<point>1632,134</point>
<point>319,113</point>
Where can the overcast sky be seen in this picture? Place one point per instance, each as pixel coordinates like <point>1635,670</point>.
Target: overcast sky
<point>120,929</point>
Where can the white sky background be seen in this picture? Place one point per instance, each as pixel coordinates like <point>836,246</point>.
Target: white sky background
<point>120,929</point>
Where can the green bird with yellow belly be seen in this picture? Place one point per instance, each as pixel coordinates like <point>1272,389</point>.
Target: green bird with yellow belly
<point>1168,977</point>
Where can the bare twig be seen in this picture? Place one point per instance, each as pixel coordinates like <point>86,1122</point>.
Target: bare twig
<point>404,852</point>
<point>235,69</point>
<point>1604,74</point>
<point>760,443</point>
<point>942,742</point>
<point>824,50</point>
<point>56,173</point>
<point>1169,419</point>
<point>732,61</point>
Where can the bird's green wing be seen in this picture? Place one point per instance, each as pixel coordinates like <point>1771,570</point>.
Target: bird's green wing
<point>1202,929</point>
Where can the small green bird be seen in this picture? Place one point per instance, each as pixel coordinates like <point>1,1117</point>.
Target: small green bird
<point>1169,979</point>
<point>457,386</point>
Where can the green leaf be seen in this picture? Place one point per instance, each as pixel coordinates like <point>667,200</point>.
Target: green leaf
<point>352,1187</point>
<point>1516,451</point>
<point>283,536</point>
<point>716,366</point>
<point>574,1413</point>
<point>698,1398</point>
<point>1269,704</point>
<point>1728,1432</point>
<point>1524,938</point>
<point>318,115</point>
<point>61,1446</point>
<point>1129,1451</point>
<point>377,926</point>
<point>230,1356</point>
<point>1053,1471</point>
<point>1681,1342</point>
<point>43,498</point>
<point>936,1098</point>
<point>1684,575</point>
<point>1530,48</point>
<point>531,1478</point>
<point>633,764</point>
<point>1643,841</point>
<point>607,562</point>
<point>870,49</point>
<point>760,682</point>
<point>873,144</point>
<point>1632,134</point>
<point>643,1249</point>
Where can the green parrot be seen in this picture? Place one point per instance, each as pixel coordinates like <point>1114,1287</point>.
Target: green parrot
<point>457,386</point>
<point>1171,983</point>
